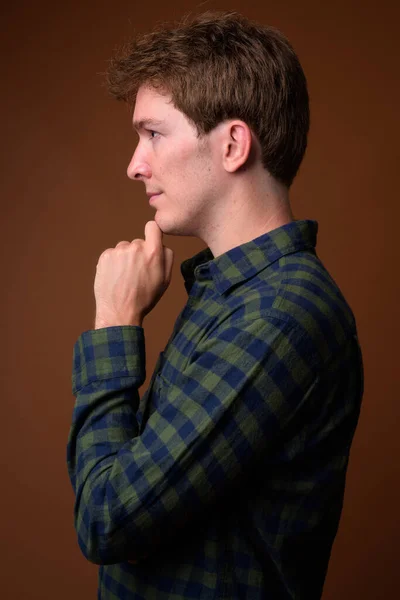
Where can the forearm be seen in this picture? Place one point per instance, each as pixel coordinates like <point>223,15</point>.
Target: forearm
<point>109,367</point>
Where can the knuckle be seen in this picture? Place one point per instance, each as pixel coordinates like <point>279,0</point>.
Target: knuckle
<point>153,254</point>
<point>105,253</point>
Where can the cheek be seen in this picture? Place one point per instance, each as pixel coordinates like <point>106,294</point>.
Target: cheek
<point>179,167</point>
<point>184,154</point>
<point>172,161</point>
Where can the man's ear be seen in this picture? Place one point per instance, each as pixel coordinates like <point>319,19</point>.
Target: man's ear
<point>237,142</point>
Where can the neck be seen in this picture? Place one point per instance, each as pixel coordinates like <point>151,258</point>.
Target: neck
<point>245,215</point>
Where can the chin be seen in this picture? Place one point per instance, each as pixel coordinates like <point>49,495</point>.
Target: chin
<point>171,228</point>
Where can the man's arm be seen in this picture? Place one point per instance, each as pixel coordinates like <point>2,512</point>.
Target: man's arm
<point>224,413</point>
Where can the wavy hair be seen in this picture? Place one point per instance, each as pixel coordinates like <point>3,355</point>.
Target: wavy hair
<point>218,66</point>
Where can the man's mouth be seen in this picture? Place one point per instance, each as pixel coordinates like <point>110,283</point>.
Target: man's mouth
<point>152,196</point>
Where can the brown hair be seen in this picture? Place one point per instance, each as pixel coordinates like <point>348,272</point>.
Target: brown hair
<point>218,66</point>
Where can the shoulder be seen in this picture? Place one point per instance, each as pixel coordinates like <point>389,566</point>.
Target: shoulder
<point>299,291</point>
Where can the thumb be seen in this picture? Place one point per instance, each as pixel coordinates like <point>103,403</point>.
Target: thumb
<point>153,235</point>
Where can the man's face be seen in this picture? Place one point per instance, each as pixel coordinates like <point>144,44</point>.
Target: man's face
<point>175,164</point>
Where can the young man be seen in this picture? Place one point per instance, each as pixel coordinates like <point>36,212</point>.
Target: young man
<point>226,479</point>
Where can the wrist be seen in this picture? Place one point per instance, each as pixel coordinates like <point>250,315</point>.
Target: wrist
<point>101,323</point>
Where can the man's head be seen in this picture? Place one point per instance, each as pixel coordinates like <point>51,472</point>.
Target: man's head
<point>184,175</point>
<point>221,66</point>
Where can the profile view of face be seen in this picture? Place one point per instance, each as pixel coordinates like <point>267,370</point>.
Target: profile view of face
<point>179,169</point>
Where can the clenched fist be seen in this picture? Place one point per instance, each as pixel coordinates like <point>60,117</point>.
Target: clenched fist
<point>131,278</point>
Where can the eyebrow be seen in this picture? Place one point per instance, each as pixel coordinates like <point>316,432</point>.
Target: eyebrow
<point>146,123</point>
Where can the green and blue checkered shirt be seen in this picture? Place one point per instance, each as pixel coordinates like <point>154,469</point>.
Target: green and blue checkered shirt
<point>226,479</point>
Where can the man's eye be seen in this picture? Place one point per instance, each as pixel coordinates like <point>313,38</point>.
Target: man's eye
<point>153,134</point>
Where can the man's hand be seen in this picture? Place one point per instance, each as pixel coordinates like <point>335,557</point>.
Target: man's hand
<point>131,278</point>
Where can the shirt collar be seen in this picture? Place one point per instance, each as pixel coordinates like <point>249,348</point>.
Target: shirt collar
<point>244,261</point>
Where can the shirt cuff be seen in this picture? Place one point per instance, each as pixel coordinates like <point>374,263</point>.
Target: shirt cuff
<point>107,353</point>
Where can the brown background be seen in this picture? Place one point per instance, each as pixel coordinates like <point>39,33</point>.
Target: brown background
<point>65,198</point>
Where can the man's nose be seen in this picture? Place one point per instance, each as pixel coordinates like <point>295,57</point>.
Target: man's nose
<point>138,168</point>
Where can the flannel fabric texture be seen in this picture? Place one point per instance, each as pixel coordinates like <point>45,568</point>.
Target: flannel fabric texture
<point>226,479</point>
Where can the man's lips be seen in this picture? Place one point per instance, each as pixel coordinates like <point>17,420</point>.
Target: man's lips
<point>152,195</point>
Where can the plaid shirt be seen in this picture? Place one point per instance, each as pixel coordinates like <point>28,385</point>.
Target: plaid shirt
<point>226,479</point>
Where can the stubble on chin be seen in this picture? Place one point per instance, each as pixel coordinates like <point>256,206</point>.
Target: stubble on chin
<point>174,227</point>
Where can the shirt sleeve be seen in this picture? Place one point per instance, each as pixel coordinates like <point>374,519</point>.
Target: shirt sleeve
<point>214,421</point>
